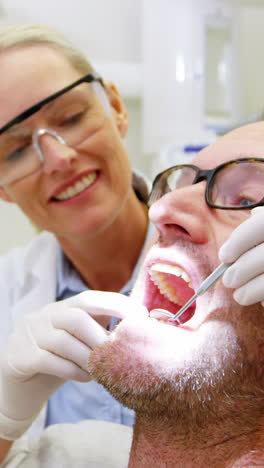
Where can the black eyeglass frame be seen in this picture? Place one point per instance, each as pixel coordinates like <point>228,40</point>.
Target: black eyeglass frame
<point>208,175</point>
<point>89,78</point>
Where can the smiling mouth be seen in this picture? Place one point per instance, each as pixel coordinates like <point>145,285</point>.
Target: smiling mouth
<point>77,188</point>
<point>169,287</point>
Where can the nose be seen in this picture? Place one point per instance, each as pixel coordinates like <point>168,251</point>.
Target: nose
<point>53,150</point>
<point>182,213</point>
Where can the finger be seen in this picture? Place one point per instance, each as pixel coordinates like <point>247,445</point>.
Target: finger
<point>66,346</point>
<point>80,325</point>
<point>250,293</point>
<point>49,363</point>
<point>247,267</point>
<point>259,210</point>
<point>106,303</point>
<point>247,235</point>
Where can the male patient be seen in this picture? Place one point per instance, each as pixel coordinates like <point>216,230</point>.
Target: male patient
<point>196,386</point>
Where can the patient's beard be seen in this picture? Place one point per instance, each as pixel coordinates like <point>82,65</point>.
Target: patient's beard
<point>196,395</point>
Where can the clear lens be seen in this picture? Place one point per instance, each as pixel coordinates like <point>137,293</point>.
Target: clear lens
<point>17,164</point>
<point>172,179</point>
<point>75,116</point>
<point>238,185</point>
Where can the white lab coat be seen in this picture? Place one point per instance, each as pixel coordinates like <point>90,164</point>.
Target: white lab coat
<point>27,283</point>
<point>87,444</point>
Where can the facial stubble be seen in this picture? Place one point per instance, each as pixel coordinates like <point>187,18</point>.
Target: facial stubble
<point>213,388</point>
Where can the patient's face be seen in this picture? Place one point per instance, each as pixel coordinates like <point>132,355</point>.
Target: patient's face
<point>159,367</point>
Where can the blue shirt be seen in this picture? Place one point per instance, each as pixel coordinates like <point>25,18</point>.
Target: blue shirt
<point>75,401</point>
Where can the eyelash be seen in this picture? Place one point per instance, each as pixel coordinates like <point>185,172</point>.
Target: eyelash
<point>74,118</point>
<point>17,153</point>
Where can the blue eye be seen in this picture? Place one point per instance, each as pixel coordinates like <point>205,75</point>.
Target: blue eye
<point>246,202</point>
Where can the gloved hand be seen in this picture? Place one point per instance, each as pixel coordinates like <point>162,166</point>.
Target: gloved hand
<point>245,247</point>
<point>49,347</point>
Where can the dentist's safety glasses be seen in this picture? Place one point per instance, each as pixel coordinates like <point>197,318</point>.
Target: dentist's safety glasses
<point>70,116</point>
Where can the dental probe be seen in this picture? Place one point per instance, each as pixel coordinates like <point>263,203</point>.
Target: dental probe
<point>206,284</point>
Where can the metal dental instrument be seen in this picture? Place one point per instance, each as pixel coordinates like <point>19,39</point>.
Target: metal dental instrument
<point>206,284</point>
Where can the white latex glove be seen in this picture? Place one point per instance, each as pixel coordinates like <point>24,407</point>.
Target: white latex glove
<point>245,247</point>
<point>49,347</point>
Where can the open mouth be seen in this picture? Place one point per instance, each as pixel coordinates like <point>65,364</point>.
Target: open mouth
<point>169,287</point>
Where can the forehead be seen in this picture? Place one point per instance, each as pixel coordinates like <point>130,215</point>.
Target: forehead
<point>246,141</point>
<point>30,74</point>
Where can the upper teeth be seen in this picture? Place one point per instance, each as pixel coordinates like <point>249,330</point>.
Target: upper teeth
<point>172,270</point>
<point>163,285</point>
<point>77,187</point>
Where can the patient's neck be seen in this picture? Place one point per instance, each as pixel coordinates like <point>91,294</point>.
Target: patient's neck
<point>158,445</point>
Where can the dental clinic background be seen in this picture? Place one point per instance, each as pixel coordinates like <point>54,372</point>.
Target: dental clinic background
<point>188,71</point>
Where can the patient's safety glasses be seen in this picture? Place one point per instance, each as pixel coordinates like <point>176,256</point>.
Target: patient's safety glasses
<point>69,115</point>
<point>234,185</point>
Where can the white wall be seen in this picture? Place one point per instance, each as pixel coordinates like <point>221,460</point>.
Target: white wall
<point>108,30</point>
<point>251,61</point>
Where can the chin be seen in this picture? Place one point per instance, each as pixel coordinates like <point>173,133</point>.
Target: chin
<point>162,371</point>
<point>159,367</point>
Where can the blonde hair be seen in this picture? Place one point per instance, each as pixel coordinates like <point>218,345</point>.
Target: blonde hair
<point>19,36</point>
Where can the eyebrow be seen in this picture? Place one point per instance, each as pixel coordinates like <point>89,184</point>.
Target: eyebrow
<point>36,107</point>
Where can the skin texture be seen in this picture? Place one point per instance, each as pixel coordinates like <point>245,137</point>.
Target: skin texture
<point>197,389</point>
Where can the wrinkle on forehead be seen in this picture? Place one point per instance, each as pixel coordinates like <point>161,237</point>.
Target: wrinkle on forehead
<point>242,142</point>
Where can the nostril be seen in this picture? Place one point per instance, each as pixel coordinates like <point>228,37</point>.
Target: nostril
<point>182,229</point>
<point>176,226</point>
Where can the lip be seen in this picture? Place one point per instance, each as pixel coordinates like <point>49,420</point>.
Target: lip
<point>154,299</point>
<point>71,182</point>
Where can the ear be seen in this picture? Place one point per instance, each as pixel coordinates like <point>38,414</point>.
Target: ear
<point>118,107</point>
<point>4,195</point>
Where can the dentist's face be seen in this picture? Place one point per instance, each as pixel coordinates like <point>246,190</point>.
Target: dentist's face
<point>81,189</point>
<point>215,352</point>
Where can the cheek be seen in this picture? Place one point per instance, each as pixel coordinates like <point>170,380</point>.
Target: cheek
<point>223,223</point>
<point>232,218</point>
<point>11,195</point>
<point>109,150</point>
<point>5,195</point>
<point>108,136</point>
<point>138,291</point>
<point>26,196</point>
